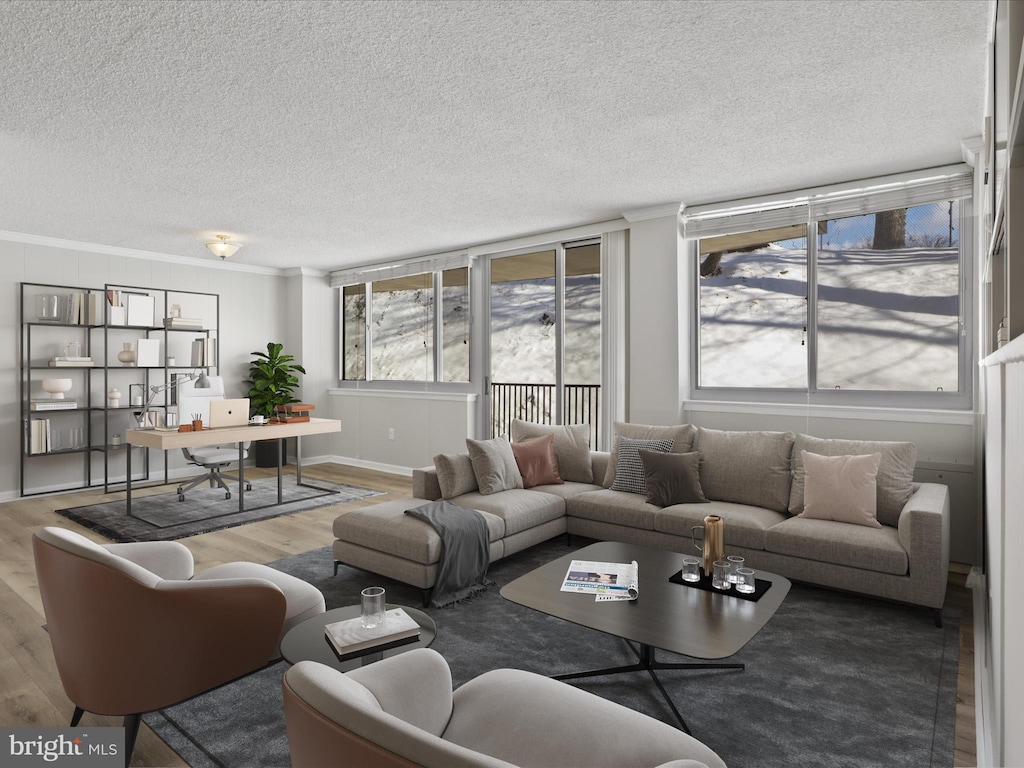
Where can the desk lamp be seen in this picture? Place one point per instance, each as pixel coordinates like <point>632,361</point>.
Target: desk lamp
<point>200,378</point>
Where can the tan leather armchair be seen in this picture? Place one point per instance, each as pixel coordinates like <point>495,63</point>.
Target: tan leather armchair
<point>133,631</point>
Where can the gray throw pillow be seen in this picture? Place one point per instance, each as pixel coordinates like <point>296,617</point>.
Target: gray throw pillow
<point>629,472</point>
<point>494,465</point>
<point>746,467</point>
<point>672,478</point>
<point>681,436</point>
<point>572,447</point>
<point>894,483</point>
<point>455,474</point>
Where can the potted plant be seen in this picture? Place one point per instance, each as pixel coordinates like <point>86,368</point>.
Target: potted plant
<point>272,382</point>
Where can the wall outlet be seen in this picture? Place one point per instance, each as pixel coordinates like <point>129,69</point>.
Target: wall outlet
<point>391,433</point>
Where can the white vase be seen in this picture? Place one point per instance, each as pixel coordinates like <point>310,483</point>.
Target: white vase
<point>127,354</point>
<point>114,398</point>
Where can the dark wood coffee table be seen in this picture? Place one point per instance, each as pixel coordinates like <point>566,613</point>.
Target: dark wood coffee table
<point>673,617</point>
<point>308,641</point>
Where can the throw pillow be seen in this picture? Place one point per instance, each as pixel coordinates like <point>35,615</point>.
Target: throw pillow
<point>629,471</point>
<point>572,447</point>
<point>895,480</point>
<point>494,465</point>
<point>454,474</point>
<point>746,467</point>
<point>681,436</point>
<point>672,478</point>
<point>841,488</point>
<point>536,461</point>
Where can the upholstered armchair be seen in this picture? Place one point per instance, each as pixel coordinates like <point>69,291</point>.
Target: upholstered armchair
<point>401,711</point>
<point>134,630</point>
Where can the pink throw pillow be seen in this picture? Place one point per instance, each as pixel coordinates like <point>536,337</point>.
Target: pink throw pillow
<point>841,488</point>
<point>536,461</point>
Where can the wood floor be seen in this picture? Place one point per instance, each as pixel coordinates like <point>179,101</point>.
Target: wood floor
<point>30,689</point>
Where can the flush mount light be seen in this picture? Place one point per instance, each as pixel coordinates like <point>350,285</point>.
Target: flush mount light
<point>223,247</point>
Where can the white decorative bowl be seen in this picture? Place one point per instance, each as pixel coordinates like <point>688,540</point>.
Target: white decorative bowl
<point>56,387</point>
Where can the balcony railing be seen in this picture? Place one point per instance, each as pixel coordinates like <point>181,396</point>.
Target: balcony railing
<point>536,403</point>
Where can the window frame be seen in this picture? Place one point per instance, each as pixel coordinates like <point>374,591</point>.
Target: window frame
<point>962,399</point>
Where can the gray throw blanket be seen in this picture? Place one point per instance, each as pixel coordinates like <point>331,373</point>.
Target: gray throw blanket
<point>465,551</point>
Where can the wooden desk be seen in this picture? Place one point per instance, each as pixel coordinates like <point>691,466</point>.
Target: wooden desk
<point>167,441</point>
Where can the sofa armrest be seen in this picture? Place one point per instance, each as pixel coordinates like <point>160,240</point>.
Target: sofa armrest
<point>924,532</point>
<point>425,485</point>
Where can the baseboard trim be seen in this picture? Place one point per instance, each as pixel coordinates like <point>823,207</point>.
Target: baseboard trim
<point>362,464</point>
<point>984,705</point>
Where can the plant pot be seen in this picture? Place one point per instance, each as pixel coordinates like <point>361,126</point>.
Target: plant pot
<point>265,453</point>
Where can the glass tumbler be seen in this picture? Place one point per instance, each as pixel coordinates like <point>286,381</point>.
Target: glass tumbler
<point>735,563</point>
<point>720,578</point>
<point>372,607</point>
<point>691,569</point>
<point>745,580</point>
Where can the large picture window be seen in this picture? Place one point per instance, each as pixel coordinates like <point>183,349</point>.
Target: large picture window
<point>864,308</point>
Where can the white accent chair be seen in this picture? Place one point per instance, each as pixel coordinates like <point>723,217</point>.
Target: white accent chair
<point>194,402</point>
<point>401,711</point>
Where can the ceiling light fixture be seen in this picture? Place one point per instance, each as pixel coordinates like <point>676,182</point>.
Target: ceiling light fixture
<point>223,247</point>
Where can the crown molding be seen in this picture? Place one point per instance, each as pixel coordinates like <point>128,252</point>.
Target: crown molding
<point>303,272</point>
<point>654,212</point>
<point>134,253</point>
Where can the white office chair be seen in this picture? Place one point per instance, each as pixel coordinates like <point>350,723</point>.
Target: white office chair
<point>195,403</point>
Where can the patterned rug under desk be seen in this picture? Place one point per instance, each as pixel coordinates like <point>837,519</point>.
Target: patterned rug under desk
<point>163,518</point>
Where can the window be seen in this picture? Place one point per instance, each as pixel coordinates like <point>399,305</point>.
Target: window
<point>408,325</point>
<point>862,301</point>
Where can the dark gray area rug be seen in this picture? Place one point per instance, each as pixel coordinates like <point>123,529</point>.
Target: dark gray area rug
<point>162,517</point>
<point>832,680</point>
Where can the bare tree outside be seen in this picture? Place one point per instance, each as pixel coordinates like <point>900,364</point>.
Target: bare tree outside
<point>890,230</point>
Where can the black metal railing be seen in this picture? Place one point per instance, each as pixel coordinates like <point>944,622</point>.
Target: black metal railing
<point>536,403</point>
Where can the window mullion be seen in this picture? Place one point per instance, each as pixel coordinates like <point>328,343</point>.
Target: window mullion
<point>811,316</point>
<point>438,331</point>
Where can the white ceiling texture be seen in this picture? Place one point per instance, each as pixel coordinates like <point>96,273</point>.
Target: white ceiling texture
<point>331,134</point>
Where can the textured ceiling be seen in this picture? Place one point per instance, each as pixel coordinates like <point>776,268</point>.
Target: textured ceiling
<point>326,134</point>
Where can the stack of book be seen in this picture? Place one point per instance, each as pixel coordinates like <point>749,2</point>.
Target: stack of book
<point>293,413</point>
<point>350,639</point>
<point>52,405</point>
<point>62,361</point>
<point>204,352</point>
<point>184,323</point>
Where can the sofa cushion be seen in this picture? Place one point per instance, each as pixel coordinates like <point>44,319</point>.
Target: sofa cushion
<point>567,490</point>
<point>629,472</point>
<point>519,508</point>
<point>749,467</point>
<point>872,549</point>
<point>840,488</point>
<point>536,461</point>
<point>894,483</point>
<point>672,478</point>
<point>572,446</point>
<point>386,528</point>
<point>494,465</point>
<point>455,474</point>
<point>681,436</point>
<point>617,507</point>
<point>742,525</point>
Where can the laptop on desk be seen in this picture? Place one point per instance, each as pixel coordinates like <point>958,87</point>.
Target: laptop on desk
<point>229,413</point>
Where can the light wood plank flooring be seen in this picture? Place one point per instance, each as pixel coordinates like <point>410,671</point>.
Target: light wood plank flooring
<point>30,689</point>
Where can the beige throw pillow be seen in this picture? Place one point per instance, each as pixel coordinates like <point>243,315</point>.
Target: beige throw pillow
<point>494,465</point>
<point>681,436</point>
<point>841,488</point>
<point>572,447</point>
<point>455,474</point>
<point>746,467</point>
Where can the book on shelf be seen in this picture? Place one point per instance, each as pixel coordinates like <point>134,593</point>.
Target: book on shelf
<point>55,363</point>
<point>52,405</point>
<point>204,352</point>
<point>66,359</point>
<point>185,323</point>
<point>350,636</point>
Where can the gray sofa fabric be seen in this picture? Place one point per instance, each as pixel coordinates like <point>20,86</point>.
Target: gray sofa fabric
<point>906,559</point>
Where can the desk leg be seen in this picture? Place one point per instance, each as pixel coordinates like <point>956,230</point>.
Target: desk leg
<point>280,462</point>
<point>298,460</point>
<point>241,477</point>
<point>128,481</point>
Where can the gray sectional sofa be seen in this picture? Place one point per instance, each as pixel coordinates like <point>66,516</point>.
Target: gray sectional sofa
<point>754,480</point>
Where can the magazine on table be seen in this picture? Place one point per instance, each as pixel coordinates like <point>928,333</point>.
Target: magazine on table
<point>606,581</point>
<point>350,635</point>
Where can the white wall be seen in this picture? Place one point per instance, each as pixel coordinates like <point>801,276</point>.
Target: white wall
<point>252,310</point>
<point>313,340</point>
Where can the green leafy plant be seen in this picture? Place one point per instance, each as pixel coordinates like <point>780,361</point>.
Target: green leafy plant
<point>272,380</point>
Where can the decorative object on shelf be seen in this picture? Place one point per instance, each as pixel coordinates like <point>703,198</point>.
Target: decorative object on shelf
<point>223,247</point>
<point>147,353</point>
<point>126,355</point>
<point>48,307</point>
<point>113,397</point>
<point>175,312</point>
<point>56,387</point>
<point>73,350</point>
<point>115,440</point>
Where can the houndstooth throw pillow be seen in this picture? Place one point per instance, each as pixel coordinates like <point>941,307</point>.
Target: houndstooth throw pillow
<point>629,469</point>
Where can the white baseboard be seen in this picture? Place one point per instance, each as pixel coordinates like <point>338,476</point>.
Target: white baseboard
<point>984,705</point>
<point>350,462</point>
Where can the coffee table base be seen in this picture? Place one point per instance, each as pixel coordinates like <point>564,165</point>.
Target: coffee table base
<point>648,663</point>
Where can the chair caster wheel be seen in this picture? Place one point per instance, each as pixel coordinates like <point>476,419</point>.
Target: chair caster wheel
<point>248,486</point>
<point>227,495</point>
<point>181,497</point>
